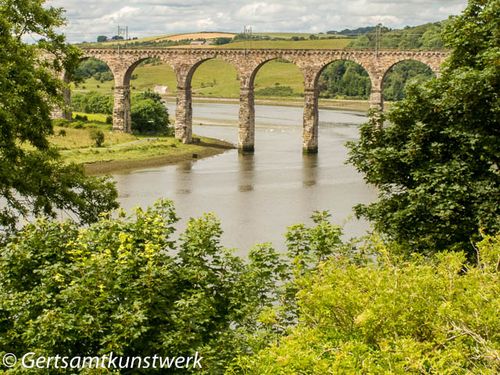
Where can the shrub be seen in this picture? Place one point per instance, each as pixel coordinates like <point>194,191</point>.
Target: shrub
<point>81,118</point>
<point>149,114</point>
<point>276,91</point>
<point>392,316</point>
<point>97,136</point>
<point>130,286</point>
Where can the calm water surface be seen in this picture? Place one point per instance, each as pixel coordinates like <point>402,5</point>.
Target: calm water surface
<point>258,196</point>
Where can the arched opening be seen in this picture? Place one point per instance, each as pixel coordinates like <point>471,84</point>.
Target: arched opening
<point>153,86</point>
<point>344,84</point>
<point>92,85</point>
<point>402,74</point>
<point>276,82</point>
<point>89,118</point>
<point>211,79</point>
<point>215,78</point>
<point>278,78</point>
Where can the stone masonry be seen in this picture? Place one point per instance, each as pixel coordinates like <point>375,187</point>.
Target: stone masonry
<point>247,63</point>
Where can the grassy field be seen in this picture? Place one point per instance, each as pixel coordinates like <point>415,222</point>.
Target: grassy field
<point>285,44</point>
<point>122,151</point>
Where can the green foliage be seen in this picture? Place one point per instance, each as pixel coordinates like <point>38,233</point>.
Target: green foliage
<point>344,79</point>
<point>149,114</point>
<point>276,91</point>
<point>97,136</point>
<point>425,37</point>
<point>436,163</point>
<point>389,316</point>
<point>403,75</point>
<point>33,180</point>
<point>124,285</point>
<point>92,102</point>
<point>93,68</point>
<point>221,41</point>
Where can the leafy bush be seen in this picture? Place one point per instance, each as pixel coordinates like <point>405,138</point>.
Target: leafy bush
<point>124,285</point>
<point>392,316</point>
<point>149,114</point>
<point>97,136</point>
<point>81,118</point>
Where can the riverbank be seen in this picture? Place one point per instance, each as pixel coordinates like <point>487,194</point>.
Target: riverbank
<point>121,151</point>
<point>336,104</point>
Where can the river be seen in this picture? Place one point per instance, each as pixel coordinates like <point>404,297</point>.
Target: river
<point>258,196</point>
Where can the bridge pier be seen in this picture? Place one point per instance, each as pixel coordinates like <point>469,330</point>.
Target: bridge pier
<point>122,120</point>
<point>310,124</point>
<point>376,99</point>
<point>246,130</point>
<point>184,115</point>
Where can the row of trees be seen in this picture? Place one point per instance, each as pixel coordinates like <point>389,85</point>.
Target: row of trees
<point>346,79</point>
<point>426,37</point>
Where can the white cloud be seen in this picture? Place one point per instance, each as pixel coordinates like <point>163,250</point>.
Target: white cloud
<point>89,18</point>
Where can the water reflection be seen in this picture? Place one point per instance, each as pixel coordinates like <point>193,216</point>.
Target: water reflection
<point>246,164</point>
<point>309,170</point>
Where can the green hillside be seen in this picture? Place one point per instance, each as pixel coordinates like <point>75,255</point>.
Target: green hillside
<point>293,44</point>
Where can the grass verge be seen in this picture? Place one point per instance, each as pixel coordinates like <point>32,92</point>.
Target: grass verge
<point>122,151</point>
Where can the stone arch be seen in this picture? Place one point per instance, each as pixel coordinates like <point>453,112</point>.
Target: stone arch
<point>353,59</point>
<point>134,64</point>
<point>257,68</point>
<point>402,61</point>
<point>188,76</point>
<point>184,71</point>
<point>66,112</point>
<point>345,59</point>
<point>199,64</point>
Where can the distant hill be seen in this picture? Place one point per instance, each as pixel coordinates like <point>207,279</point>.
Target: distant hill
<point>427,36</point>
<point>353,32</point>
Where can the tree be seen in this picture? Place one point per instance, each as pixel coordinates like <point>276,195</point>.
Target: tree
<point>127,285</point>
<point>33,180</point>
<point>149,114</point>
<point>102,39</point>
<point>436,164</point>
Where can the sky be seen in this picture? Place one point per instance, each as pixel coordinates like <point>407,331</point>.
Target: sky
<point>86,19</point>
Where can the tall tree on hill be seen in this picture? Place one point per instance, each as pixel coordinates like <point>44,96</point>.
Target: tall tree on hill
<point>437,162</point>
<point>33,180</point>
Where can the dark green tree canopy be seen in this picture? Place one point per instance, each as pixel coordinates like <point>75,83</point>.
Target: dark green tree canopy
<point>436,159</point>
<point>33,180</point>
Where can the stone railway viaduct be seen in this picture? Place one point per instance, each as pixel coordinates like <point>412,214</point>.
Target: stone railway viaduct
<point>247,63</point>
